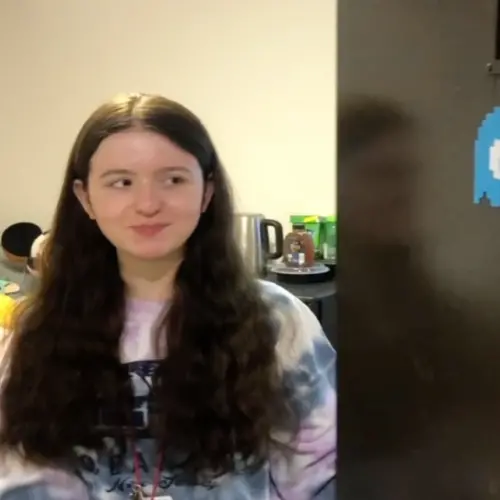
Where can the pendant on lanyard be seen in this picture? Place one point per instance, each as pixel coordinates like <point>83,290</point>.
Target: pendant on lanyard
<point>137,493</point>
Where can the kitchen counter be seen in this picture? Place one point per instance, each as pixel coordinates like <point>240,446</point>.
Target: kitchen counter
<point>17,275</point>
<point>307,292</point>
<point>10,273</point>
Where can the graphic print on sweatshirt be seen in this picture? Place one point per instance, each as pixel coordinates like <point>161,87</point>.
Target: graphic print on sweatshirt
<point>110,474</point>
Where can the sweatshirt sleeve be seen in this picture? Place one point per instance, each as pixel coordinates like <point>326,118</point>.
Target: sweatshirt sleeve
<point>308,367</point>
<point>18,479</point>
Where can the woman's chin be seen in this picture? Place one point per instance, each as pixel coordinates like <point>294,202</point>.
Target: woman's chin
<point>152,253</point>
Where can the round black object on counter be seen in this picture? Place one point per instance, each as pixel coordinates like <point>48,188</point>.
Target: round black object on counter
<point>17,239</point>
<point>301,279</point>
<point>319,273</point>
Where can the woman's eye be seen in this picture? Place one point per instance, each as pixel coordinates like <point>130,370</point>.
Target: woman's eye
<point>121,183</point>
<point>175,180</point>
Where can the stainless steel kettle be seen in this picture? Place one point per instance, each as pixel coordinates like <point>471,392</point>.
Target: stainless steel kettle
<point>252,234</point>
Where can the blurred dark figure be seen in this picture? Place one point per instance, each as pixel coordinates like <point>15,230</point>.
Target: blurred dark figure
<point>377,170</point>
<point>380,294</point>
<point>407,387</point>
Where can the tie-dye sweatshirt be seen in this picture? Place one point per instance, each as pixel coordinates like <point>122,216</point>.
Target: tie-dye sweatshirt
<point>307,361</point>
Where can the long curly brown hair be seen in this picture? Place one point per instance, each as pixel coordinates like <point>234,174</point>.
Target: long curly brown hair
<point>218,393</point>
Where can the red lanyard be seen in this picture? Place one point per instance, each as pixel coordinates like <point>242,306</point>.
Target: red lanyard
<point>137,490</point>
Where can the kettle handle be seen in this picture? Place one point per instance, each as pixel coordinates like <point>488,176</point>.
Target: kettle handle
<point>278,237</point>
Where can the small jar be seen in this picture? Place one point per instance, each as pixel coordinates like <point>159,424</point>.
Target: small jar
<point>298,248</point>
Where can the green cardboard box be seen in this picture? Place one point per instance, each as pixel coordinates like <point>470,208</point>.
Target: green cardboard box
<point>329,237</point>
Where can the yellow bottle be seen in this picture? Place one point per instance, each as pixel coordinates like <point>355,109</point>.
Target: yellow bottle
<point>7,306</point>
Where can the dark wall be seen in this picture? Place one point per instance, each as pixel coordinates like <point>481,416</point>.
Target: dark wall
<point>432,56</point>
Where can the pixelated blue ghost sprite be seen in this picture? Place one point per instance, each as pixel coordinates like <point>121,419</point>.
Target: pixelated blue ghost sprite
<point>487,160</point>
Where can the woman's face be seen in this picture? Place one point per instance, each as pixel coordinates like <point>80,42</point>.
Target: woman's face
<point>145,193</point>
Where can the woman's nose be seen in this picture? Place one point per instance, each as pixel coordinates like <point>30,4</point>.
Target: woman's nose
<point>148,199</point>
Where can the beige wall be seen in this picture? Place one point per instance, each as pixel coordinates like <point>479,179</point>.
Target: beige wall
<point>261,74</point>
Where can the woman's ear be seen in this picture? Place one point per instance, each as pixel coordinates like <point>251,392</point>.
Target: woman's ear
<point>207,196</point>
<point>83,197</point>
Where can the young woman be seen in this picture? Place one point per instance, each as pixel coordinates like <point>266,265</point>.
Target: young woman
<point>149,363</point>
